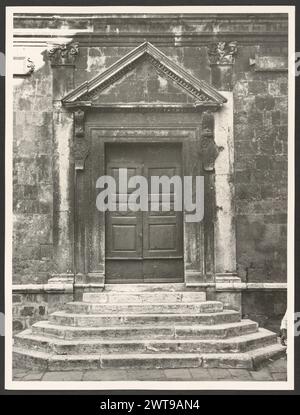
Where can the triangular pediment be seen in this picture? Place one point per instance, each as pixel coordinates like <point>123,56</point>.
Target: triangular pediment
<point>144,76</point>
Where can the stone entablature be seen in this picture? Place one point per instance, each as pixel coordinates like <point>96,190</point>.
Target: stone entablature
<point>113,29</point>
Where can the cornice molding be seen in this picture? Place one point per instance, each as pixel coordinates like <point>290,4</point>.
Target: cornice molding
<point>136,106</point>
<point>188,39</point>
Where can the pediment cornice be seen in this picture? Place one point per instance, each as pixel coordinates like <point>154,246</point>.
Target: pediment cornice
<point>203,93</point>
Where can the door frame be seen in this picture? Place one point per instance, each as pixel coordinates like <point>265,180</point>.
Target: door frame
<point>216,139</point>
<point>210,255</point>
<point>90,246</point>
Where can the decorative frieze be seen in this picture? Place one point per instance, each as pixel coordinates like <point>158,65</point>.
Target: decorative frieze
<point>65,54</point>
<point>222,53</point>
<point>81,147</point>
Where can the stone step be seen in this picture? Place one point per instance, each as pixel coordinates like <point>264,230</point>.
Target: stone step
<point>218,360</point>
<point>145,308</point>
<point>250,360</point>
<point>108,320</point>
<point>149,287</point>
<point>83,346</point>
<point>144,297</point>
<point>225,330</point>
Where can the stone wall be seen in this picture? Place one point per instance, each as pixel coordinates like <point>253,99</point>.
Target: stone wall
<point>32,178</point>
<point>30,306</point>
<point>261,136</point>
<point>267,308</point>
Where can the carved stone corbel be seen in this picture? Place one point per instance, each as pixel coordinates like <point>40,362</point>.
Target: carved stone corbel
<point>81,147</point>
<point>208,148</point>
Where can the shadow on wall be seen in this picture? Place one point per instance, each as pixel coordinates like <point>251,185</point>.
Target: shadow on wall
<point>265,307</point>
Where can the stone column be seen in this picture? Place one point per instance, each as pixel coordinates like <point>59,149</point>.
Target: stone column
<point>62,58</point>
<point>228,285</point>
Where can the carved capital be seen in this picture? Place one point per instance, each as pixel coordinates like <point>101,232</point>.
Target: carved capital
<point>63,55</point>
<point>222,53</point>
<point>81,147</point>
<point>209,151</point>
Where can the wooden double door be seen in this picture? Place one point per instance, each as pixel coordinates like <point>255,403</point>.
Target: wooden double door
<point>144,246</point>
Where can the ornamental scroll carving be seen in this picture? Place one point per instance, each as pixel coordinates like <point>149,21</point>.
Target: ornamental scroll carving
<point>81,147</point>
<point>208,148</point>
<point>61,55</point>
<point>222,53</point>
<point>23,66</point>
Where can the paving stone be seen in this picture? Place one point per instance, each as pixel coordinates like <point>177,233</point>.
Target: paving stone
<point>178,374</point>
<point>279,376</point>
<point>19,373</point>
<point>240,374</point>
<point>184,374</point>
<point>150,374</point>
<point>34,376</point>
<point>219,374</point>
<point>63,376</point>
<point>200,373</point>
<point>261,375</point>
<point>105,375</point>
<point>279,365</point>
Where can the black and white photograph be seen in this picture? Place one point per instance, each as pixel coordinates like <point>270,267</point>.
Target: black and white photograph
<point>149,198</point>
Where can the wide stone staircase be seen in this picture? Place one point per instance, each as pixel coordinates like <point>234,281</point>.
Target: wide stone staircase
<point>145,326</point>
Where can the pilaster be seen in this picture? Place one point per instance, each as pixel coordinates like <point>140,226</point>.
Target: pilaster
<point>62,59</point>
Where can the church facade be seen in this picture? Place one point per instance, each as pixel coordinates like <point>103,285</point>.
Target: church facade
<point>186,95</point>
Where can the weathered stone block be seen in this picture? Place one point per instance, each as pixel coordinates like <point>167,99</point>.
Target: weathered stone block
<point>264,102</point>
<point>27,311</point>
<point>257,87</point>
<point>17,298</point>
<point>17,325</point>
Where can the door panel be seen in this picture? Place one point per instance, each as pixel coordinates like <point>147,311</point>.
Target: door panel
<point>144,246</point>
<point>162,229</point>
<point>123,228</point>
<point>123,236</point>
